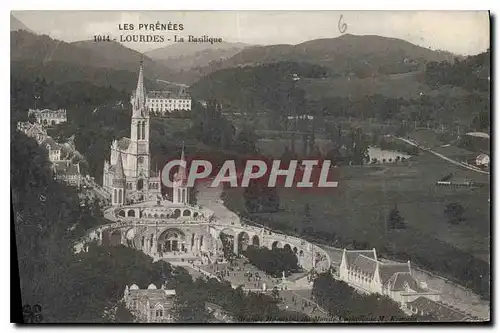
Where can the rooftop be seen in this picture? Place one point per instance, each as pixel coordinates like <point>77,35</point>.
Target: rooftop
<point>438,310</point>
<point>50,143</point>
<point>167,94</point>
<point>46,111</point>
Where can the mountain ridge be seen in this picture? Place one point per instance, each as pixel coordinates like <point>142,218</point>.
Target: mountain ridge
<point>16,24</point>
<point>359,55</point>
<point>38,50</point>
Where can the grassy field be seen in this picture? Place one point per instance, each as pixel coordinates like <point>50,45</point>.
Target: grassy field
<point>357,211</point>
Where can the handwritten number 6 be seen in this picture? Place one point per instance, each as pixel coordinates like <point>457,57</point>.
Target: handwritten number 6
<point>342,25</point>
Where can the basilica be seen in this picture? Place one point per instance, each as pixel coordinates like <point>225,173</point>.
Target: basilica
<point>127,176</point>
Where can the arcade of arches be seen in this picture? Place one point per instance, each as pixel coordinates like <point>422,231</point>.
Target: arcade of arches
<point>193,241</point>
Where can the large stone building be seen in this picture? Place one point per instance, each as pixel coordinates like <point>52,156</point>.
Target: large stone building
<point>47,117</point>
<point>150,305</point>
<point>127,176</point>
<point>162,102</point>
<point>364,271</point>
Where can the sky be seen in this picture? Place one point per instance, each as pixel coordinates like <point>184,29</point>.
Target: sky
<point>460,32</point>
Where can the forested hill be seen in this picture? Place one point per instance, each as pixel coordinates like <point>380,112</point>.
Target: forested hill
<point>105,63</point>
<point>471,73</point>
<point>259,88</point>
<point>347,53</point>
<point>362,56</point>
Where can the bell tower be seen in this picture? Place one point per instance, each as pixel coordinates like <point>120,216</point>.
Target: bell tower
<point>139,136</point>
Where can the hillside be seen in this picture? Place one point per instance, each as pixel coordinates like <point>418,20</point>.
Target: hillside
<point>177,50</point>
<point>362,55</point>
<point>347,55</point>
<point>115,55</point>
<point>187,57</point>
<point>41,48</point>
<point>16,25</point>
<point>102,64</point>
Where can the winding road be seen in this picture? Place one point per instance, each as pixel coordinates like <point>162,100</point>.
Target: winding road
<point>415,144</point>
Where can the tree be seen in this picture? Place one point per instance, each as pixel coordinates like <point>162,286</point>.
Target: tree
<point>454,212</point>
<point>123,315</point>
<point>396,221</point>
<point>246,139</point>
<point>275,261</point>
<point>343,302</point>
<point>358,147</point>
<point>259,198</point>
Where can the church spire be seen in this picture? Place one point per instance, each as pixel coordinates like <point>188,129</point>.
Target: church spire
<point>119,177</point>
<point>140,92</point>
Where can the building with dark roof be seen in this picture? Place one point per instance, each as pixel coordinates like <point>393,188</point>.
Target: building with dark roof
<point>437,310</point>
<point>35,131</point>
<point>151,305</point>
<point>68,172</point>
<point>364,271</point>
<point>218,313</point>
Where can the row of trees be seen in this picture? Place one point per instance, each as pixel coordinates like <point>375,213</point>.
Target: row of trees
<point>243,307</point>
<point>348,146</point>
<point>344,303</point>
<point>274,262</point>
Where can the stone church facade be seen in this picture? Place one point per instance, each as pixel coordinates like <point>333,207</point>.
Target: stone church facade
<point>128,175</point>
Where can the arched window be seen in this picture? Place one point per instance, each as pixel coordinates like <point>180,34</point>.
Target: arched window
<point>114,196</point>
<point>178,194</point>
<point>120,196</point>
<point>143,132</point>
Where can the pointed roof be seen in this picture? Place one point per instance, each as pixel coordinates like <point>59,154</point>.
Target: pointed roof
<point>400,279</point>
<point>352,255</point>
<point>364,264</point>
<point>140,93</point>
<point>387,270</point>
<point>119,177</point>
